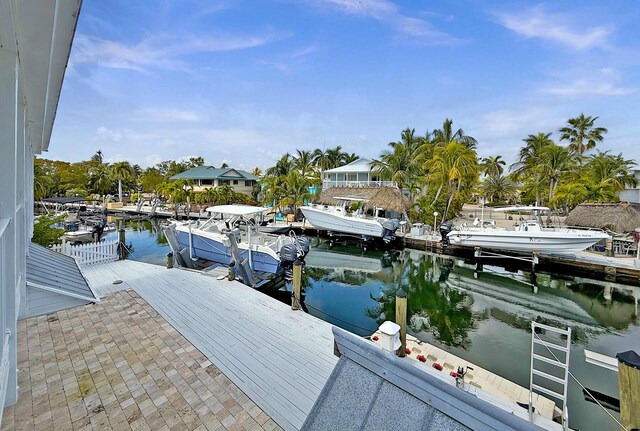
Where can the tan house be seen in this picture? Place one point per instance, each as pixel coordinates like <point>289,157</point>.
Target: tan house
<point>205,177</point>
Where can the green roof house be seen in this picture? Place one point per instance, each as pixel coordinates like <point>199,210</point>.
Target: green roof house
<point>208,176</point>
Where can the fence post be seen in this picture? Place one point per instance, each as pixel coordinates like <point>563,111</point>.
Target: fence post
<point>297,283</point>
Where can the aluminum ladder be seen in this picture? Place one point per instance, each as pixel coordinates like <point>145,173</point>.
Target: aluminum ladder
<point>558,358</point>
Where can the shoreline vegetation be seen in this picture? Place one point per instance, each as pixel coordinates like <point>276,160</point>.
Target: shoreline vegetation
<point>438,171</point>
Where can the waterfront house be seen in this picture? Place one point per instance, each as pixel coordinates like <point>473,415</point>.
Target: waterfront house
<point>355,174</point>
<point>35,42</point>
<point>631,194</point>
<point>209,176</point>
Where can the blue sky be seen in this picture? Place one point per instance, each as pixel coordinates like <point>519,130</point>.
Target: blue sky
<point>243,82</point>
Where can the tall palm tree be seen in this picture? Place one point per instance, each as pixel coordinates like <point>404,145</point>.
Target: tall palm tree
<point>400,163</point>
<point>493,166</point>
<point>528,167</point>
<point>557,161</point>
<point>330,158</point>
<point>453,167</point>
<point>101,180</point>
<point>121,171</point>
<point>282,166</point>
<point>303,162</point>
<point>446,135</point>
<point>498,188</point>
<point>295,190</point>
<point>581,134</point>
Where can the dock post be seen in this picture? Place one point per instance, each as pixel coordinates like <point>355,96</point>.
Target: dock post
<point>297,283</point>
<point>170,260</point>
<point>629,386</point>
<point>401,319</point>
<point>609,247</point>
<point>121,242</point>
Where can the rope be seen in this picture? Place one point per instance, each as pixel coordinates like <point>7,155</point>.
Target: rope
<point>370,331</point>
<point>581,385</point>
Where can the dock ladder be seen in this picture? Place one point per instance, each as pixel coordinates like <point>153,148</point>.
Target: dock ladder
<point>548,355</point>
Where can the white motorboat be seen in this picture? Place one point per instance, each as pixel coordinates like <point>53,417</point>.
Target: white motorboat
<point>210,240</point>
<point>338,219</point>
<point>527,235</point>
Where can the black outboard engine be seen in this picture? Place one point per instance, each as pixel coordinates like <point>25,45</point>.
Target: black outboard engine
<point>288,255</point>
<point>445,228</point>
<point>389,228</point>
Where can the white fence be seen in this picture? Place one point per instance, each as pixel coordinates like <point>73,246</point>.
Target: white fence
<point>90,253</point>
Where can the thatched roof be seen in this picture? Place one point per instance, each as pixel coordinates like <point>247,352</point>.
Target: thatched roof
<point>618,217</point>
<point>388,198</point>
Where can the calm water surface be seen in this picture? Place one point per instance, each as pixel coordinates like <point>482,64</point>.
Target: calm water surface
<point>485,320</point>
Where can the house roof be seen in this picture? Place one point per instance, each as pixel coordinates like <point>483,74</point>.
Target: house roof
<point>212,173</point>
<point>56,272</point>
<point>360,165</point>
<point>389,198</point>
<point>373,389</point>
<point>616,216</point>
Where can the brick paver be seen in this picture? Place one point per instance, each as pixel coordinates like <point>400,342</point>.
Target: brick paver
<point>119,365</point>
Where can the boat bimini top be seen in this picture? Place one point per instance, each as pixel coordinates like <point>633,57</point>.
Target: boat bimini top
<point>521,209</point>
<point>238,210</point>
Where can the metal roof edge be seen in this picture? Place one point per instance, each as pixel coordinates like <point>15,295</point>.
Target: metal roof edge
<point>63,292</point>
<point>430,389</point>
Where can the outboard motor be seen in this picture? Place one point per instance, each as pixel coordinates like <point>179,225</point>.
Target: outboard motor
<point>288,255</point>
<point>445,228</point>
<point>389,228</point>
<point>302,243</point>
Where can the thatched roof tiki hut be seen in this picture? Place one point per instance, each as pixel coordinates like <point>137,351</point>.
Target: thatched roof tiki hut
<point>617,217</point>
<point>388,198</point>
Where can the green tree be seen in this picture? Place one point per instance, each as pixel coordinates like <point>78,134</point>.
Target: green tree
<point>121,171</point>
<point>454,166</point>
<point>43,231</point>
<point>446,135</point>
<point>498,188</point>
<point>101,180</point>
<point>528,168</point>
<point>493,166</point>
<point>582,134</point>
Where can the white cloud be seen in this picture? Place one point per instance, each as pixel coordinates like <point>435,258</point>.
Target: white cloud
<point>158,51</point>
<point>604,82</point>
<point>166,115</point>
<point>389,13</point>
<point>105,134</point>
<point>538,23</point>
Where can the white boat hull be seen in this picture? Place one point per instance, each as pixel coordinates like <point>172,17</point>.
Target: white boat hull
<point>336,222</point>
<point>553,242</point>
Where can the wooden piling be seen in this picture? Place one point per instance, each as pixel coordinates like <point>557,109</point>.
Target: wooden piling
<point>121,241</point>
<point>170,260</point>
<point>629,387</point>
<point>609,247</point>
<point>401,319</point>
<point>297,283</point>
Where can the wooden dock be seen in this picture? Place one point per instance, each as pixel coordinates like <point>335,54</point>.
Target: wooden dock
<point>281,359</point>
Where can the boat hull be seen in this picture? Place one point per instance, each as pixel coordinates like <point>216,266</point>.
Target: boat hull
<point>214,250</point>
<point>555,242</point>
<point>347,225</point>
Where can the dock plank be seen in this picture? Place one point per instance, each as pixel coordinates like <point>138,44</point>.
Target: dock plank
<point>257,341</point>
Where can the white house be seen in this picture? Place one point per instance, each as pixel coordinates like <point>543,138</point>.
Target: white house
<point>355,174</point>
<point>631,194</point>
<point>35,42</point>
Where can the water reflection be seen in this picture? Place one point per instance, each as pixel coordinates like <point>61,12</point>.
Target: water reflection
<point>449,300</point>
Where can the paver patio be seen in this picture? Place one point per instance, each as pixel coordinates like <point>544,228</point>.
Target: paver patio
<point>120,365</point>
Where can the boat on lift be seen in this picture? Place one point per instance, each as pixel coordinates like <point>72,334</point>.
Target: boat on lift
<point>340,220</point>
<point>211,241</point>
<point>527,235</point>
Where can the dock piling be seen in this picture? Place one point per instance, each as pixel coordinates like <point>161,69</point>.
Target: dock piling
<point>297,283</point>
<point>121,241</point>
<point>401,319</point>
<point>629,387</point>
<point>170,260</point>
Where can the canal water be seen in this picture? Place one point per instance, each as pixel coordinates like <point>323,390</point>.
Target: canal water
<point>483,318</point>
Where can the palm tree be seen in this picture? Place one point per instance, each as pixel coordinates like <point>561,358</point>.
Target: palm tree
<point>493,166</point>
<point>101,180</point>
<point>400,164</point>
<point>581,134</point>
<point>616,170</point>
<point>453,167</point>
<point>331,158</point>
<point>121,171</point>
<point>295,190</point>
<point>446,135</point>
<point>556,162</point>
<point>256,172</point>
<point>303,162</point>
<point>528,166</point>
<point>498,188</point>
<point>282,166</point>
